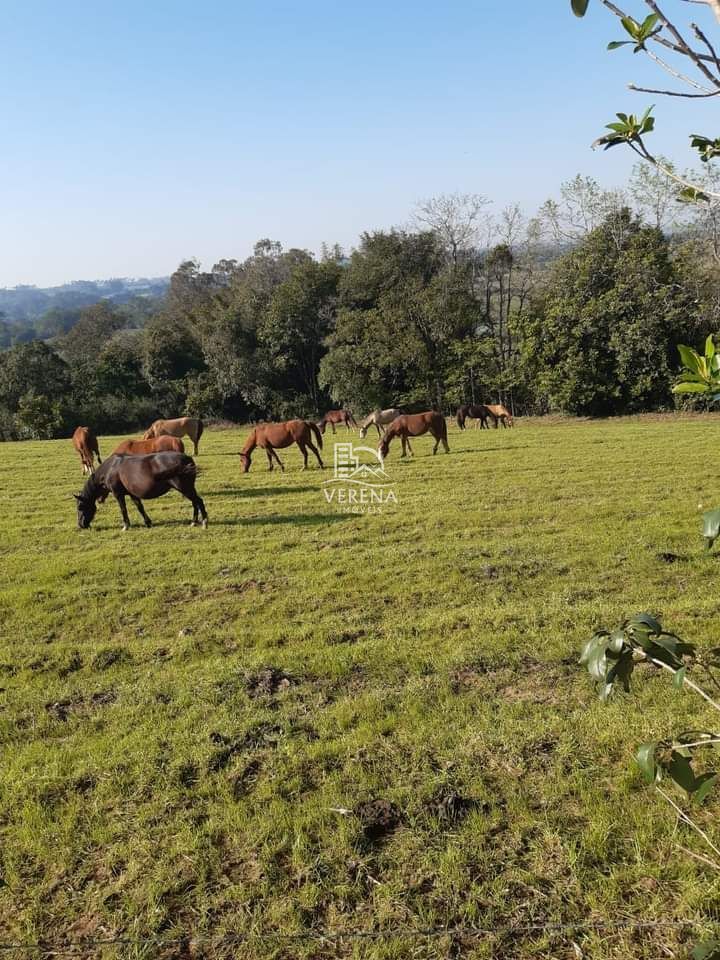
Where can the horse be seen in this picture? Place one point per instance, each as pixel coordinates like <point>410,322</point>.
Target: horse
<point>336,416</point>
<point>140,478</point>
<point>161,444</point>
<point>181,427</point>
<point>380,418</point>
<point>501,413</point>
<point>85,442</point>
<point>475,411</point>
<point>268,436</point>
<point>415,425</point>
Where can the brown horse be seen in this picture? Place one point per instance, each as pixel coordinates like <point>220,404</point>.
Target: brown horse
<point>162,444</point>
<point>501,413</point>
<point>181,427</point>
<point>140,478</point>
<point>333,417</point>
<point>85,442</point>
<point>268,436</point>
<point>475,411</point>
<point>415,425</point>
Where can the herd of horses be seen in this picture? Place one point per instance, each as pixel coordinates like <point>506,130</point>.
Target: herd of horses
<point>149,468</point>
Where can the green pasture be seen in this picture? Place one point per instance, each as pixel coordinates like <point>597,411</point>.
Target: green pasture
<point>299,721</point>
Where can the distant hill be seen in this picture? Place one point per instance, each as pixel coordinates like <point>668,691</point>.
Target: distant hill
<point>23,306</point>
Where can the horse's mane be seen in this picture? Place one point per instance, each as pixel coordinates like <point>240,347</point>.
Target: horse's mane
<point>91,489</point>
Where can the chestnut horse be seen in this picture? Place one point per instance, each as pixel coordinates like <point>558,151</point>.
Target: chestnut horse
<point>139,447</point>
<point>140,478</point>
<point>501,413</point>
<point>268,436</point>
<point>85,442</point>
<point>475,411</point>
<point>181,427</point>
<point>337,416</point>
<point>415,425</point>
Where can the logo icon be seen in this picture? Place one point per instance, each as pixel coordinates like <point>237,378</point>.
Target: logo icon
<point>358,486</point>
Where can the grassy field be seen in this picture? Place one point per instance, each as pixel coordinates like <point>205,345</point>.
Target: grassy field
<point>298,721</point>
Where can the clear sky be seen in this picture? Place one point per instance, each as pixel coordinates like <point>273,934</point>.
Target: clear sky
<point>137,134</point>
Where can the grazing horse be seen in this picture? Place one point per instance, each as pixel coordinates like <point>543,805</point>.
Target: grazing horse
<point>162,444</point>
<point>268,436</point>
<point>380,418</point>
<point>501,413</point>
<point>475,411</point>
<point>415,425</point>
<point>140,478</point>
<point>182,427</point>
<point>337,416</point>
<point>85,442</point>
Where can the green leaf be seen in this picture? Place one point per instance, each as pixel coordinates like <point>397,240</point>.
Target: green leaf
<point>679,678</point>
<point>579,7</point>
<point>709,348</point>
<point>689,387</point>
<point>645,757</point>
<point>622,671</point>
<point>600,635</point>
<point>707,950</point>
<point>711,526</point>
<point>631,26</point>
<point>689,358</point>
<point>681,771</point>
<point>704,785</point>
<point>646,620</point>
<point>616,44</point>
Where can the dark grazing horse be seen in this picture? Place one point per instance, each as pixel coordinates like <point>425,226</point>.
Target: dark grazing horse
<point>140,478</point>
<point>475,411</point>
<point>268,436</point>
<point>85,442</point>
<point>333,417</point>
<point>415,425</point>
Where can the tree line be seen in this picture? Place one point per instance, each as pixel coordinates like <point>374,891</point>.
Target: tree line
<point>579,309</point>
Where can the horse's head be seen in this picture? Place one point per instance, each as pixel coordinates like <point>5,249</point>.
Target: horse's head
<point>321,424</point>
<point>383,448</point>
<point>245,462</point>
<point>86,510</point>
<point>149,433</point>
<point>363,432</point>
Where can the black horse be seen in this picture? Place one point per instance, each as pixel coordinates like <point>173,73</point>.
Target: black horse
<point>140,478</point>
<point>477,412</point>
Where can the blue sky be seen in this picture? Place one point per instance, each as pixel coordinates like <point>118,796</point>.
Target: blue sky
<point>136,135</point>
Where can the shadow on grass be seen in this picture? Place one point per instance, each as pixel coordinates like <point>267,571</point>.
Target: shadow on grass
<point>248,492</point>
<point>300,520</point>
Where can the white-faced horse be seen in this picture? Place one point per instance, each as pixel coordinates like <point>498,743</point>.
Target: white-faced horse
<point>380,418</point>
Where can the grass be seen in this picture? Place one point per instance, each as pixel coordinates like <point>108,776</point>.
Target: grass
<point>195,725</point>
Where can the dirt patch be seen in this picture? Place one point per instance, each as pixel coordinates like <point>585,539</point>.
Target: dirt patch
<point>243,782</point>
<point>450,806</point>
<point>262,735</point>
<point>79,705</point>
<point>267,682</point>
<point>347,636</point>
<point>468,676</point>
<point>72,665</point>
<point>104,659</point>
<point>379,818</point>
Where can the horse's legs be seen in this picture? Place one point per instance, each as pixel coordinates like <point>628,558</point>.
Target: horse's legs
<point>303,450</point>
<point>186,486</point>
<point>277,458</point>
<point>269,456</point>
<point>437,442</point>
<point>314,449</point>
<point>333,426</point>
<point>141,510</point>
<point>120,497</point>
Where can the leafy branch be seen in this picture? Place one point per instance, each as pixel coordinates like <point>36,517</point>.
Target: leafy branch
<point>657,29</point>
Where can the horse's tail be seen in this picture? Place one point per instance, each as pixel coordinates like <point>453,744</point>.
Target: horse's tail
<point>200,428</point>
<point>351,418</point>
<point>189,469</point>
<point>314,428</point>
